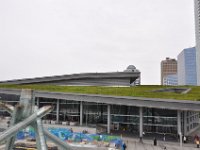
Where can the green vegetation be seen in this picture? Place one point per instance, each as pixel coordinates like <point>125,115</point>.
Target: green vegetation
<point>138,91</point>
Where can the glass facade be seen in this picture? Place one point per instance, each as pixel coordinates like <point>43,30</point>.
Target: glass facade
<point>160,121</point>
<point>187,74</point>
<point>170,80</point>
<point>123,118</point>
<point>94,113</point>
<point>126,118</point>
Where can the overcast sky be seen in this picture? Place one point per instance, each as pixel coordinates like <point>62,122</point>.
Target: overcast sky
<point>54,37</point>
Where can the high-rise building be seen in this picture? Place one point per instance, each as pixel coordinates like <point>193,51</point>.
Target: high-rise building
<point>197,32</point>
<point>187,74</point>
<point>168,67</point>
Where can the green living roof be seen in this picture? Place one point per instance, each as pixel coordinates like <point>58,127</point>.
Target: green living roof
<point>147,91</point>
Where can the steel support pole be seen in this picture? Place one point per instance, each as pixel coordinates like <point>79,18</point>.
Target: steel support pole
<point>7,107</point>
<point>81,113</point>
<point>179,126</point>
<point>41,136</point>
<point>141,122</point>
<point>15,119</point>
<point>61,144</point>
<point>185,123</point>
<point>39,130</point>
<point>108,119</point>
<point>14,129</point>
<point>38,102</point>
<point>57,110</point>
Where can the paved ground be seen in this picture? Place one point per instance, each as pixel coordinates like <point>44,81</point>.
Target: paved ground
<point>134,144</point>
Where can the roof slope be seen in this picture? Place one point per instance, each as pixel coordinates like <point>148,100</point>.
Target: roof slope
<point>147,91</point>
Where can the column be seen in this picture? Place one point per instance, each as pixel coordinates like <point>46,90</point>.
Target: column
<point>178,121</point>
<point>108,119</point>
<point>141,122</point>
<point>38,102</point>
<point>57,110</point>
<point>185,122</point>
<point>81,113</point>
<point>179,126</point>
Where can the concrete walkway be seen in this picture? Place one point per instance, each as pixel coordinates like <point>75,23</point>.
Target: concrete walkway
<point>134,144</point>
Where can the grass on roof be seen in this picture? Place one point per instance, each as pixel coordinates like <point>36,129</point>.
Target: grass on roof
<point>137,91</point>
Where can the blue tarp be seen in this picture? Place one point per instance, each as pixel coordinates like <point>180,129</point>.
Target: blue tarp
<point>20,135</point>
<point>67,134</point>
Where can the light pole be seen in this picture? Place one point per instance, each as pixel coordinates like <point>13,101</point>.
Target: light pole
<point>181,142</point>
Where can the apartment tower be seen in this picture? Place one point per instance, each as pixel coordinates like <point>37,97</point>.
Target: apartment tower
<point>168,67</point>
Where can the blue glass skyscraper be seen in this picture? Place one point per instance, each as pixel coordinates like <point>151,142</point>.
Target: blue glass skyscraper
<point>187,71</point>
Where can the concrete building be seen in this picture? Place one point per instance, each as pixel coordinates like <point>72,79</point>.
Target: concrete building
<point>187,74</point>
<point>170,80</point>
<point>168,67</point>
<point>197,33</point>
<point>133,115</point>
<point>129,77</point>
<point>124,114</point>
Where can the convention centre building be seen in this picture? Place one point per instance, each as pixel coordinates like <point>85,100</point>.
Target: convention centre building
<point>132,114</point>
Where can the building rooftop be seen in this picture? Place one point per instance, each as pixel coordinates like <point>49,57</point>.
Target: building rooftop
<point>122,78</point>
<point>146,91</point>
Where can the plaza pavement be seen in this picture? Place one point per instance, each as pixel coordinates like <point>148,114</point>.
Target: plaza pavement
<point>135,144</point>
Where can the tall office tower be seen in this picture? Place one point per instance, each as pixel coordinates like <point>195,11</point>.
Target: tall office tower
<point>168,67</point>
<point>197,32</point>
<point>187,74</point>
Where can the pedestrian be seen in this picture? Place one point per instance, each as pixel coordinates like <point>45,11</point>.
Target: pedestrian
<point>164,137</point>
<point>124,146</point>
<point>155,142</point>
<point>196,138</point>
<point>100,136</point>
<point>184,139</point>
<point>117,146</point>
<point>197,142</point>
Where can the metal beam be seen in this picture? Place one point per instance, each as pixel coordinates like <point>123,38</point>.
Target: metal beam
<point>14,129</point>
<point>16,115</point>
<point>63,145</point>
<point>7,107</point>
<point>38,128</point>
